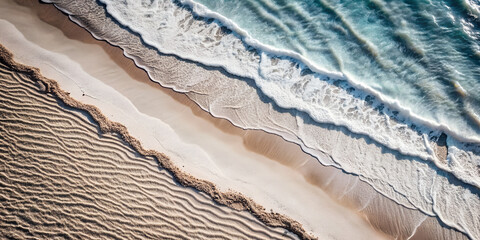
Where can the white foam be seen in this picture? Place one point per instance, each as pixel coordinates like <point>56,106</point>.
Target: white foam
<point>281,78</point>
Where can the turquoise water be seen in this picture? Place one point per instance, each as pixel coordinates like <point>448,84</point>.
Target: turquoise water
<point>424,55</point>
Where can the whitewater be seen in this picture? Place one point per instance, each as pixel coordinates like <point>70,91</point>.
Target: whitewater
<point>402,128</point>
<point>326,96</point>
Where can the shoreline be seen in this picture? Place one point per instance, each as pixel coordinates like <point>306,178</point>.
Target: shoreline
<point>231,199</point>
<point>250,137</point>
<point>138,74</point>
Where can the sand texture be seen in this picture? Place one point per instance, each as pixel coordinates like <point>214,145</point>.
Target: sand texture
<point>96,171</point>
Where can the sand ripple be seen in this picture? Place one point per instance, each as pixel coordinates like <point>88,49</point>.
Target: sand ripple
<point>60,177</point>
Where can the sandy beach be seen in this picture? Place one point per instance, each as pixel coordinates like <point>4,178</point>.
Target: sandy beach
<point>261,166</point>
<point>94,184</point>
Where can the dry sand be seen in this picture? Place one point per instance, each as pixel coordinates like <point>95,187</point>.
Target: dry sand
<point>61,178</point>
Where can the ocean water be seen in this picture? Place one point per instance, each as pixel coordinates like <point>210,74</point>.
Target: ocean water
<point>394,96</point>
<point>399,74</point>
<point>420,57</point>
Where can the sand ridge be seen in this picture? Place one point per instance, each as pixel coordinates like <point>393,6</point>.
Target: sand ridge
<point>61,178</point>
<point>231,199</point>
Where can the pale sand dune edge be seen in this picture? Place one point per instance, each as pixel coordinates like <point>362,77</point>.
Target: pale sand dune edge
<point>61,178</point>
<point>231,199</point>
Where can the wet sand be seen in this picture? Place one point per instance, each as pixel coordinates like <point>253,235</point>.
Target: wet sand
<point>271,146</point>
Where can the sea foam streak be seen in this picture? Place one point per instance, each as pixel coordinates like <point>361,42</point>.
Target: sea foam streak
<point>408,180</point>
